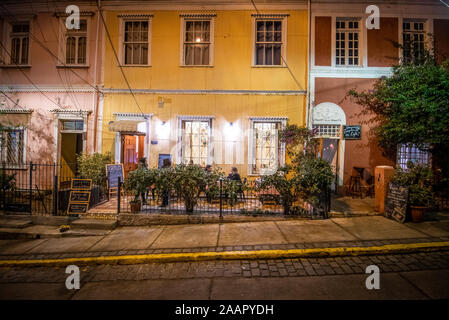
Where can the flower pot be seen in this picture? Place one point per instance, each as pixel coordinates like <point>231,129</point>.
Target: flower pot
<point>417,213</point>
<point>135,206</point>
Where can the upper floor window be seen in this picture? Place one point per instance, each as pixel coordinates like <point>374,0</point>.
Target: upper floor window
<point>413,40</point>
<point>197,42</point>
<point>76,44</point>
<point>347,52</point>
<point>12,142</point>
<point>19,42</point>
<point>269,45</point>
<point>136,42</point>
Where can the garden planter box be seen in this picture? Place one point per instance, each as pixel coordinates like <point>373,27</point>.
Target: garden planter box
<point>135,206</point>
<point>417,213</point>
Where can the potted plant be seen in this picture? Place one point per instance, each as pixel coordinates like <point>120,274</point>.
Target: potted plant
<point>418,178</point>
<point>136,182</point>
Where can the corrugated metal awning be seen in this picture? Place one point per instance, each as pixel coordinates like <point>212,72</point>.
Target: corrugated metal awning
<point>124,126</point>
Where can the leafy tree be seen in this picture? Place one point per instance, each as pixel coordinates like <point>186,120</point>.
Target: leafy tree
<point>188,181</point>
<point>411,106</point>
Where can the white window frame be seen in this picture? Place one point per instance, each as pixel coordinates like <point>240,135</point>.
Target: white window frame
<point>197,17</point>
<point>252,146</point>
<point>4,154</point>
<point>121,50</point>
<point>425,31</point>
<point>64,34</point>
<point>180,144</point>
<point>7,30</point>
<point>269,17</point>
<point>359,30</point>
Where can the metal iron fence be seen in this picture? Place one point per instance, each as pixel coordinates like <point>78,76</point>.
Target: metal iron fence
<point>245,200</point>
<point>40,188</point>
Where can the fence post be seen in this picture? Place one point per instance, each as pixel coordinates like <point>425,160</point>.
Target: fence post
<point>118,194</point>
<point>221,197</point>
<point>55,194</point>
<point>31,186</point>
<point>3,186</point>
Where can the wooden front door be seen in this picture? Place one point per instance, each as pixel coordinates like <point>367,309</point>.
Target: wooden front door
<point>129,154</point>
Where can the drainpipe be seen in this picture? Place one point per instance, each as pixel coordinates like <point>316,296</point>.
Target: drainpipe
<point>309,38</point>
<point>96,96</point>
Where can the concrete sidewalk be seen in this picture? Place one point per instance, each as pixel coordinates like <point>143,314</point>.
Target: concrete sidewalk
<point>272,236</point>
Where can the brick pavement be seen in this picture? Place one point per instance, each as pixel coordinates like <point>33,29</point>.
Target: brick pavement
<point>301,267</point>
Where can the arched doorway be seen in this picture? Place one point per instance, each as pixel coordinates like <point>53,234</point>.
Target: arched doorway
<point>327,121</point>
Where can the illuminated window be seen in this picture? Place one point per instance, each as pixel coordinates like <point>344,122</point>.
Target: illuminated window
<point>266,150</point>
<point>347,50</point>
<point>409,152</point>
<point>195,141</point>
<point>197,42</point>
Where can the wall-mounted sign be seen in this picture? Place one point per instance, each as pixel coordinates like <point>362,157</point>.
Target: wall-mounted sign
<point>113,171</point>
<point>81,184</point>
<point>352,132</point>
<point>396,202</point>
<point>154,142</point>
<point>79,196</point>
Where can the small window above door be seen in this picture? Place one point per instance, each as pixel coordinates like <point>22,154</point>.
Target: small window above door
<point>72,125</point>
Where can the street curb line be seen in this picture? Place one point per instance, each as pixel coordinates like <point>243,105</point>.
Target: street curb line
<point>232,255</point>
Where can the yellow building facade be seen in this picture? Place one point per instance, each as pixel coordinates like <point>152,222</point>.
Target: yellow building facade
<point>209,86</point>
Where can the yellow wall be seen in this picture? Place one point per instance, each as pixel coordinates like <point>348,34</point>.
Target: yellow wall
<point>231,70</point>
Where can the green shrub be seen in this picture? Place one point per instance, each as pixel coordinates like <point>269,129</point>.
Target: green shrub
<point>94,167</point>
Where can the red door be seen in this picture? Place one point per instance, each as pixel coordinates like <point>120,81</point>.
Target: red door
<point>129,154</point>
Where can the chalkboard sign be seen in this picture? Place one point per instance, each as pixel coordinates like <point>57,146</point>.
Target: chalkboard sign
<point>80,196</point>
<point>352,132</point>
<point>77,208</point>
<point>113,171</point>
<point>396,202</point>
<point>81,184</point>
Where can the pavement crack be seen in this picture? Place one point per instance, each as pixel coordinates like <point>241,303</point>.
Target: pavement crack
<point>283,235</point>
<point>345,230</point>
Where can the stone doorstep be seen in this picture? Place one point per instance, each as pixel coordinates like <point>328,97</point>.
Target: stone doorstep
<point>14,223</point>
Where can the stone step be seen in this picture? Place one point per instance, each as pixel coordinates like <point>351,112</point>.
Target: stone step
<point>93,224</point>
<point>15,223</point>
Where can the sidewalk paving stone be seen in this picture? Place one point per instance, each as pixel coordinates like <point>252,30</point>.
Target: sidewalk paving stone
<point>181,236</point>
<point>255,233</point>
<point>376,227</point>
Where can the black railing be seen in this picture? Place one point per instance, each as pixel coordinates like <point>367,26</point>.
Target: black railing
<point>246,199</point>
<point>40,188</point>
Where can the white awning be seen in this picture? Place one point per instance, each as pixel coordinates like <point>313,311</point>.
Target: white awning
<point>124,126</point>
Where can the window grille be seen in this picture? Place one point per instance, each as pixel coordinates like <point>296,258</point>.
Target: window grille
<point>195,142</point>
<point>409,152</point>
<point>327,131</point>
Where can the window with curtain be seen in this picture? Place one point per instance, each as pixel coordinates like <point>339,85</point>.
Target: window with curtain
<point>76,44</point>
<point>20,42</point>
<point>412,40</point>
<point>136,43</point>
<point>13,146</point>
<point>266,150</point>
<point>197,42</point>
<point>347,50</point>
<point>195,142</point>
<point>268,42</point>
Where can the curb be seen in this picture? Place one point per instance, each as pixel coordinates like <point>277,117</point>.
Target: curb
<point>232,255</point>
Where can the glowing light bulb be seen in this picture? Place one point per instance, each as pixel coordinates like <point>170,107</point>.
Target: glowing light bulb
<point>198,39</point>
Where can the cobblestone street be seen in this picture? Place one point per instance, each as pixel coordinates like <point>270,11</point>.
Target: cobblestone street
<point>200,278</point>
